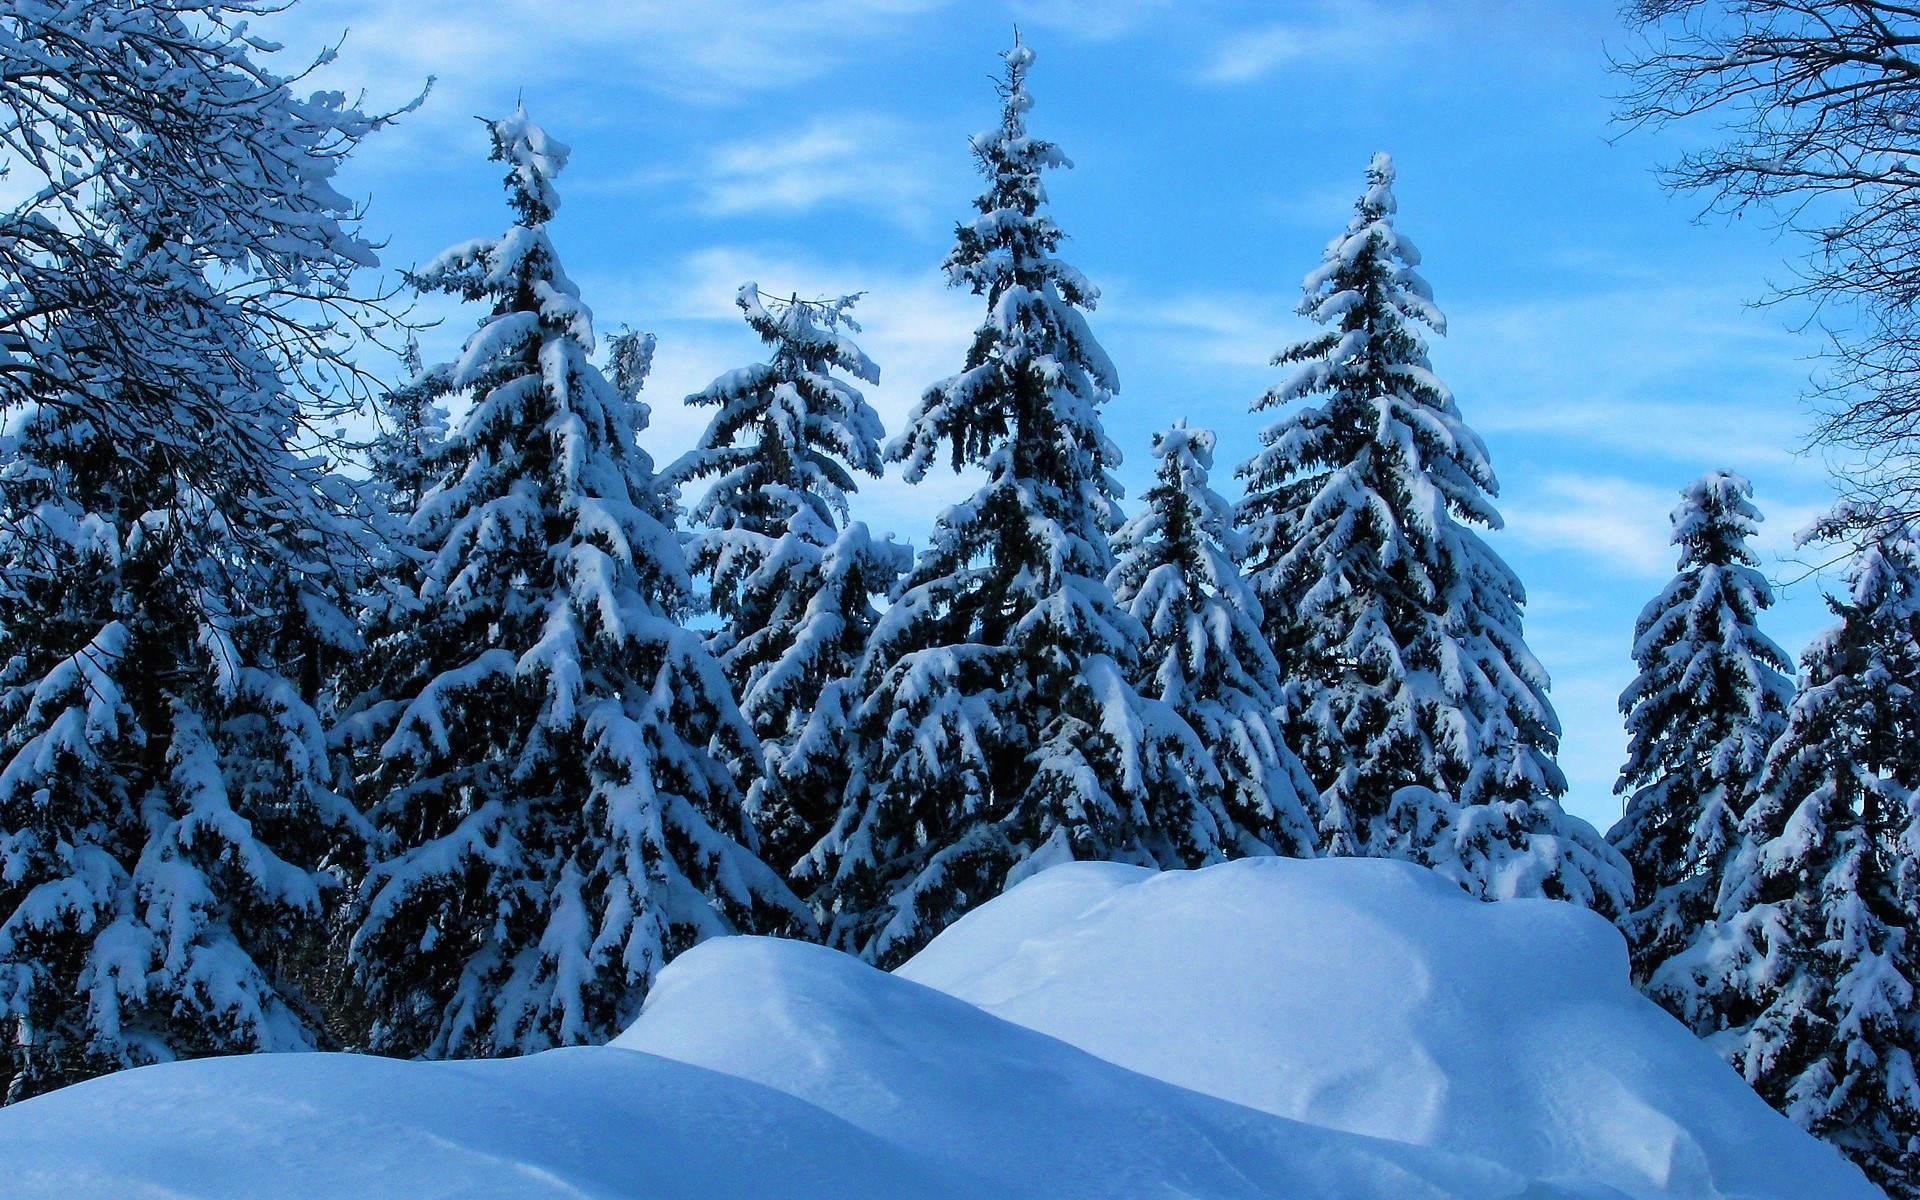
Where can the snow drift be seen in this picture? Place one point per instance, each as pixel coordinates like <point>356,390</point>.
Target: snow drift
<point>1338,1030</point>
<point>1376,997</point>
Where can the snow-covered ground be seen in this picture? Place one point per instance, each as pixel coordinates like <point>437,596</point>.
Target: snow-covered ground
<point>1340,1030</point>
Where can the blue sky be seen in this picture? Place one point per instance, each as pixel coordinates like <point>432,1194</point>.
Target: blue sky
<point>1601,338</point>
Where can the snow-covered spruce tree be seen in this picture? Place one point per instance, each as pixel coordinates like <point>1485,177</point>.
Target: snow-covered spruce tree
<point>544,746</point>
<point>994,730</point>
<point>413,428</point>
<point>1177,570</point>
<point>1412,696</point>
<point>1806,980</point>
<point>1709,700</point>
<point>171,573</point>
<point>792,581</point>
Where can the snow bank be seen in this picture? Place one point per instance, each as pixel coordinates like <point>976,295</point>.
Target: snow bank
<point>1377,998</point>
<point>982,1099</point>
<point>1338,1030</point>
<point>567,1124</point>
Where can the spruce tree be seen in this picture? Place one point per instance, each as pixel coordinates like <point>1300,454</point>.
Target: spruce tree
<point>172,569</point>
<point>1177,571</point>
<point>1413,698</point>
<point>792,581</point>
<point>412,431</point>
<point>545,747</point>
<point>994,728</point>
<point>1806,979</point>
<point>1707,704</point>
<point>413,428</point>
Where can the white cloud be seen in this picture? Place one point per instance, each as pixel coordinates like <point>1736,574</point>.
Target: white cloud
<point>859,160</point>
<point>1326,31</point>
<point>483,51</point>
<point>1381,34</point>
<point>1620,522</point>
<point>1205,329</point>
<point>1678,373</point>
<point>1625,525</point>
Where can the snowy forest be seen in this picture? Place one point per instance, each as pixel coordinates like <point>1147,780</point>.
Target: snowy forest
<point>444,742</point>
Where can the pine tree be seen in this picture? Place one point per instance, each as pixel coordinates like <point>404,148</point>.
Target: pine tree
<point>545,744</point>
<point>792,581</point>
<point>172,569</point>
<point>1414,701</point>
<point>1707,704</point>
<point>994,728</point>
<point>1177,571</point>
<point>1806,979</point>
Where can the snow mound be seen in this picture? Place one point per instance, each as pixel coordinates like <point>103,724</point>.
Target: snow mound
<point>1377,998</point>
<point>982,1099</point>
<point>567,1124</point>
<point>1335,1030</point>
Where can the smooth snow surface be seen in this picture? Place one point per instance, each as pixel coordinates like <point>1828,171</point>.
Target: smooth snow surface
<point>561,1125</point>
<point>1362,997</point>
<point>1376,997</point>
<point>1013,1112</point>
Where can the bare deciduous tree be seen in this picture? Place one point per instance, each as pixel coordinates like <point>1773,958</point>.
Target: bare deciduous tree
<point>1820,104</point>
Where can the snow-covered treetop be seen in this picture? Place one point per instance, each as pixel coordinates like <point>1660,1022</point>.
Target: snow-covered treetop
<point>1331,289</point>
<point>1035,330</point>
<point>1882,575</point>
<point>788,432</point>
<point>1373,369</point>
<point>1177,570</point>
<point>1881,611</point>
<point>1712,690</point>
<point>1184,512</point>
<point>518,266</point>
<point>1714,519</point>
<point>809,330</point>
<point>1708,612</point>
<point>1711,605</point>
<point>534,161</point>
<point>1186,452</point>
<point>527,368</point>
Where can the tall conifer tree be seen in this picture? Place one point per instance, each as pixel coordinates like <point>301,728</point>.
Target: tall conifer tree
<point>1413,698</point>
<point>1707,704</point>
<point>1177,570</point>
<point>544,744</point>
<point>995,728</point>
<point>791,579</point>
<point>1806,980</point>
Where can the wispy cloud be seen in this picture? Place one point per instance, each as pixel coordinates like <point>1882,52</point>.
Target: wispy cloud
<point>481,51</point>
<point>1381,34</point>
<point>1624,526</point>
<point>1203,329</point>
<point>858,160</point>
<point>1617,521</point>
<point>1678,373</point>
<point>1321,32</point>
